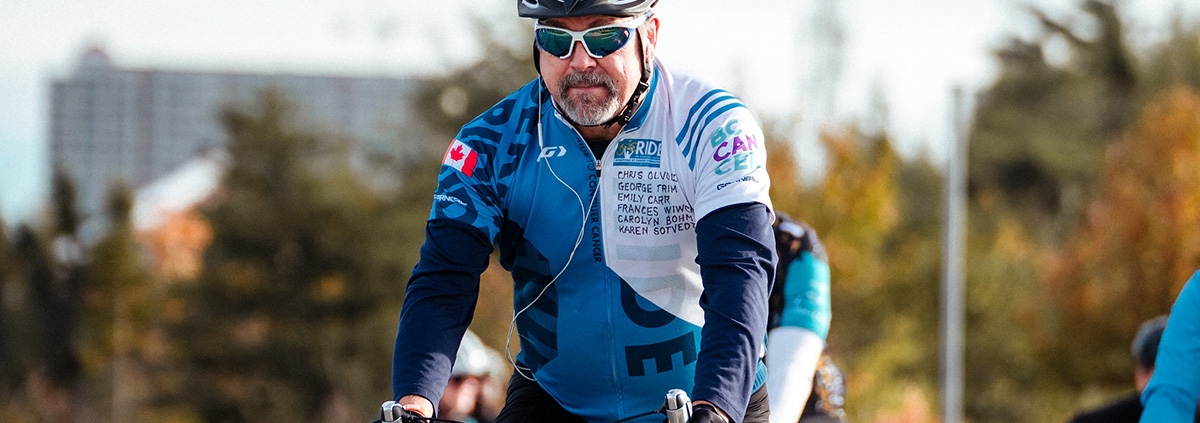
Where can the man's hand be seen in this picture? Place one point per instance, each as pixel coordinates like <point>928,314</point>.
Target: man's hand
<point>417,403</point>
<point>706,412</point>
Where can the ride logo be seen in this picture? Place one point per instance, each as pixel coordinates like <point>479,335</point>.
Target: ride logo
<point>638,152</point>
<point>733,149</point>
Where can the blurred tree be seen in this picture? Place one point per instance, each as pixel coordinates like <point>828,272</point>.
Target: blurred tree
<point>7,275</point>
<point>787,190</point>
<point>40,311</point>
<point>53,297</point>
<point>60,306</point>
<point>58,295</point>
<point>1173,63</point>
<point>13,365</point>
<point>506,64</point>
<point>294,315</point>
<point>65,208</point>
<point>1129,256</point>
<point>1003,380</point>
<point>1041,128</point>
<point>1052,137</point>
<point>1105,58</point>
<point>872,211</point>
<point>25,257</point>
<point>286,321</point>
<point>880,216</point>
<point>120,310</point>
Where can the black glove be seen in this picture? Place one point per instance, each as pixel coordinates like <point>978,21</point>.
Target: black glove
<point>706,413</point>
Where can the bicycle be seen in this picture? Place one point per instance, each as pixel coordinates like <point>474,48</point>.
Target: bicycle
<point>677,407</point>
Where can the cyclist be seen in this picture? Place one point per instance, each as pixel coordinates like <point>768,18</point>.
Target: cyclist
<point>1172,394</point>
<point>475,392</point>
<point>629,203</point>
<point>805,384</point>
<point>1128,409</point>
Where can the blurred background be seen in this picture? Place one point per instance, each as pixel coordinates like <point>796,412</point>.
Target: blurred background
<point>210,209</point>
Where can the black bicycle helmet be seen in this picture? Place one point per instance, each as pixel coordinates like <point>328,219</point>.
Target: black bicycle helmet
<point>543,9</point>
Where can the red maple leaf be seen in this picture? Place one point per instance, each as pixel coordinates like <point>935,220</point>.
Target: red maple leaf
<point>456,154</point>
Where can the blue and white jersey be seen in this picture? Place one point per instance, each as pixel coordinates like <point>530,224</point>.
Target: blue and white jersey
<point>603,251</point>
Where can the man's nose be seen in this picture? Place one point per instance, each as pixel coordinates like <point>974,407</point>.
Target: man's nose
<point>580,59</point>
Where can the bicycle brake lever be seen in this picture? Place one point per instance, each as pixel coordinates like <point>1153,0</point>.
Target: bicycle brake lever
<point>677,406</point>
<point>393,412</point>
<point>390,412</point>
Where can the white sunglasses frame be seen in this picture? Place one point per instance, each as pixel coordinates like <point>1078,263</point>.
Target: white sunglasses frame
<point>577,36</point>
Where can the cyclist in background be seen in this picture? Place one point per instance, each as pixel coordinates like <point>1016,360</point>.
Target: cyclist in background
<point>629,202</point>
<point>805,384</point>
<point>1172,394</point>
<point>475,392</point>
<point>1145,351</point>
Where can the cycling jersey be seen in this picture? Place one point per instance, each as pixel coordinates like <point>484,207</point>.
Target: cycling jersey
<point>801,298</point>
<point>1171,395</point>
<point>805,385</point>
<point>613,292</point>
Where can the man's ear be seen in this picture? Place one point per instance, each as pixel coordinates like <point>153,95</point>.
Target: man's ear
<point>651,29</point>
<point>1141,377</point>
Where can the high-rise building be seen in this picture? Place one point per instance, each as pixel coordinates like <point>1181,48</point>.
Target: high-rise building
<point>111,124</point>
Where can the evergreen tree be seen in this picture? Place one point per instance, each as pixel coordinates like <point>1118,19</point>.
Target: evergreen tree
<point>459,96</point>
<point>54,300</point>
<point>66,212</point>
<point>286,318</point>
<point>1173,63</point>
<point>12,366</point>
<point>40,302</point>
<point>120,315</point>
<point>1041,128</point>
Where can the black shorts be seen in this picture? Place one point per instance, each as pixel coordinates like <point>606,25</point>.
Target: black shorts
<point>527,402</point>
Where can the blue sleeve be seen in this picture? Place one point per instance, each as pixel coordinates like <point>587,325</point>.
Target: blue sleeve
<point>438,305</point>
<point>1173,391</point>
<point>737,263</point>
<point>806,301</point>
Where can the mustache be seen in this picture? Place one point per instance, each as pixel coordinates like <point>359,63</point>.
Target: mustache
<point>587,79</point>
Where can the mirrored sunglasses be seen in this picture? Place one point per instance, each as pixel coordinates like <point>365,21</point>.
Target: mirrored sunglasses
<point>598,42</point>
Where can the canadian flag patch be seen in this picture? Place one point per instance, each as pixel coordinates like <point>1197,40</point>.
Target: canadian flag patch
<point>461,157</point>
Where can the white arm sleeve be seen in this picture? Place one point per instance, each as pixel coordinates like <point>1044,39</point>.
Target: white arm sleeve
<point>792,355</point>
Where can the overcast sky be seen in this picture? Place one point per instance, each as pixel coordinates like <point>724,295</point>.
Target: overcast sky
<point>910,53</point>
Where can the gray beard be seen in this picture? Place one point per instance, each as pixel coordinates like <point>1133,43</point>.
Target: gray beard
<point>588,109</point>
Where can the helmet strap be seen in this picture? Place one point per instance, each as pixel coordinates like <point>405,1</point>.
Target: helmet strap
<point>635,100</point>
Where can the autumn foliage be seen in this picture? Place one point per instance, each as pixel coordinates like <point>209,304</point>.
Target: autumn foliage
<point>1135,245</point>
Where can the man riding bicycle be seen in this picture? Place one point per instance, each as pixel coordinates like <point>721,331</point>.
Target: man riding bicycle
<point>629,202</point>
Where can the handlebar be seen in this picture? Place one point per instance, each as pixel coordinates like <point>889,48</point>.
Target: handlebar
<point>393,412</point>
<point>676,406</point>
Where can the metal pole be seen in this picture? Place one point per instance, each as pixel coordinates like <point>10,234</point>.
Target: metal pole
<point>953,252</point>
